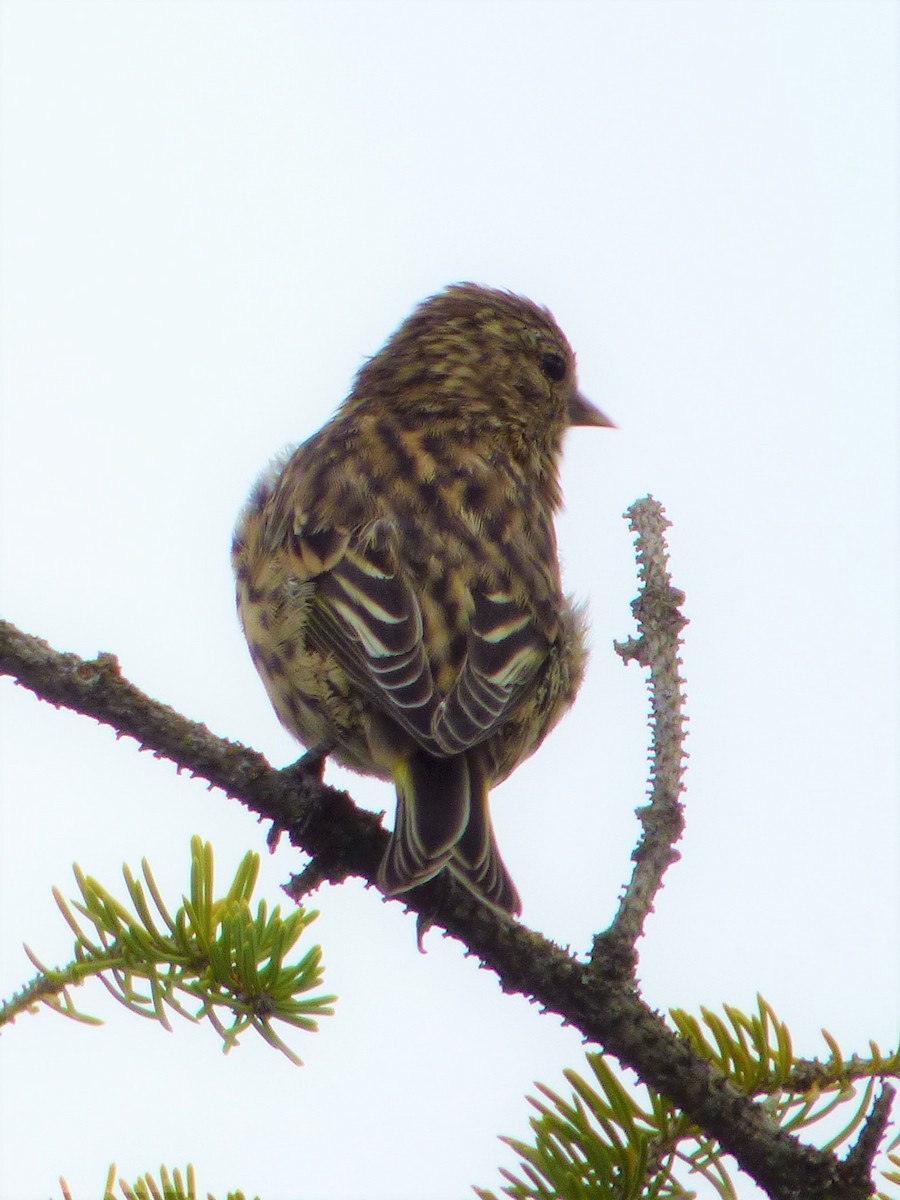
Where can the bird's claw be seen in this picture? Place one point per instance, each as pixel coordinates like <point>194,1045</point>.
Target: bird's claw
<point>308,769</point>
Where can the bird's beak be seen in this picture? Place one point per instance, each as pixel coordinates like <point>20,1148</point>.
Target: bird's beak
<point>582,412</point>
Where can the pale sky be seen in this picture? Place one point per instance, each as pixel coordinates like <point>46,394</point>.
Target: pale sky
<point>210,213</point>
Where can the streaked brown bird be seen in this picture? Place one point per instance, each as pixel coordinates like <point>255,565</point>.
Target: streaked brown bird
<point>398,579</point>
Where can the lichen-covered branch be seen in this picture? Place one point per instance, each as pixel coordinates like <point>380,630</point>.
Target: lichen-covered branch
<point>660,622</point>
<point>349,840</point>
<point>862,1154</point>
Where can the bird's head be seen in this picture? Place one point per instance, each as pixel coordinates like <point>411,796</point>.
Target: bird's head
<point>487,360</point>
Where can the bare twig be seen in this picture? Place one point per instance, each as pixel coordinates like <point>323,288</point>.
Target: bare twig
<point>861,1155</point>
<point>660,623</point>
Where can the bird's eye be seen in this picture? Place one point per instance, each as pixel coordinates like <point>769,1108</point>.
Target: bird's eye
<point>554,367</point>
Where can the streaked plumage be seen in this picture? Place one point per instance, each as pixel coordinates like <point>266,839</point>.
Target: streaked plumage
<point>398,580</point>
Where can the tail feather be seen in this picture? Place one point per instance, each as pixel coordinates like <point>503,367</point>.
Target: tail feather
<point>432,813</point>
<point>476,860</point>
<point>443,820</point>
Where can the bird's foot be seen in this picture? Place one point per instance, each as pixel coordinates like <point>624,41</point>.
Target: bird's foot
<point>302,776</point>
<point>310,764</point>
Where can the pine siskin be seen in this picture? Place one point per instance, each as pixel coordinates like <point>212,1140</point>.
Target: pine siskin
<point>398,580</point>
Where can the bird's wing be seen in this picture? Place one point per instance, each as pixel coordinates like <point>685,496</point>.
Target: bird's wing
<point>504,655</point>
<point>366,615</point>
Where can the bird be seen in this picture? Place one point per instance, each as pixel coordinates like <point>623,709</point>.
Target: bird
<point>398,577</point>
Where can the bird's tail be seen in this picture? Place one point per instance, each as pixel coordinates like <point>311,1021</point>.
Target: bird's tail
<point>476,860</point>
<point>442,821</point>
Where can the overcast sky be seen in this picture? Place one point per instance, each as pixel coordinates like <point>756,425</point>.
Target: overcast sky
<point>211,213</point>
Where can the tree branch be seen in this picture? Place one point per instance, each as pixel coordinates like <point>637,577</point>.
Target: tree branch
<point>345,840</point>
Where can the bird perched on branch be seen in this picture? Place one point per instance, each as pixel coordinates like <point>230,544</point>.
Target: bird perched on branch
<point>398,579</point>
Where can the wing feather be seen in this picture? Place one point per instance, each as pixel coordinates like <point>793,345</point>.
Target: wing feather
<point>366,615</point>
<point>504,654</point>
